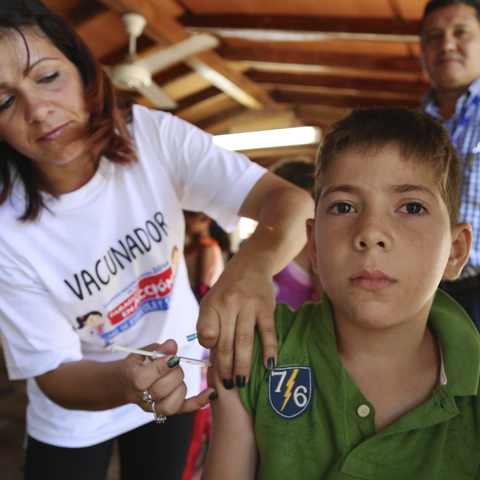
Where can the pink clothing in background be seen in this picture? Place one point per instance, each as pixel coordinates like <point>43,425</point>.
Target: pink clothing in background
<point>294,286</point>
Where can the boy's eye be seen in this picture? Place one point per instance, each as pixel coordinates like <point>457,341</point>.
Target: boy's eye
<point>49,78</point>
<point>413,208</point>
<point>340,208</point>
<point>6,103</point>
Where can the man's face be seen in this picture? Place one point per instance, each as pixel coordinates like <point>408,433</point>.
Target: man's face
<point>450,43</point>
<point>381,240</point>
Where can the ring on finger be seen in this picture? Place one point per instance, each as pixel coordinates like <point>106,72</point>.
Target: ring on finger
<point>147,397</point>
<point>158,418</point>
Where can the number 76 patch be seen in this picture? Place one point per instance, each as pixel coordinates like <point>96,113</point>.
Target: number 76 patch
<point>290,391</point>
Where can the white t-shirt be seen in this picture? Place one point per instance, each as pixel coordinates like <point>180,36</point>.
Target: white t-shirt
<point>105,265</point>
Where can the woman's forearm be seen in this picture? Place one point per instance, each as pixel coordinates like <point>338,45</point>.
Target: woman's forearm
<point>85,385</point>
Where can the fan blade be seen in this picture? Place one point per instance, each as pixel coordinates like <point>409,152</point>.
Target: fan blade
<point>156,95</point>
<point>177,52</point>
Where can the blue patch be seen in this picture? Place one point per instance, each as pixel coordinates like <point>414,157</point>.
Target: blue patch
<point>290,391</point>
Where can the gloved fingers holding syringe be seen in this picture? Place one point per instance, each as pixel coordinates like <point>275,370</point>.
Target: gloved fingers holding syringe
<point>159,380</point>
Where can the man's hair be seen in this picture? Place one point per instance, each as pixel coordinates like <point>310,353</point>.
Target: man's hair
<point>419,138</point>
<point>106,131</point>
<point>436,4</point>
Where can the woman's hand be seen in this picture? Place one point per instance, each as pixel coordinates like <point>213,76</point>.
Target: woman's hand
<point>91,385</point>
<point>243,295</point>
<point>163,379</point>
<point>242,299</point>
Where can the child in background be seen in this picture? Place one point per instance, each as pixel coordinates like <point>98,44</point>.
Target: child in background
<point>381,379</point>
<point>297,283</point>
<point>204,259</point>
<point>203,251</point>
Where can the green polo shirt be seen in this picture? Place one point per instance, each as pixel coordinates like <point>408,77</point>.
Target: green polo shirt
<point>312,421</point>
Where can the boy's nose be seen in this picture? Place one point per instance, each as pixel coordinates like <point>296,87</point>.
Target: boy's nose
<point>372,235</point>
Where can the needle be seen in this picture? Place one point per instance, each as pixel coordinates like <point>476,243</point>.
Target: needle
<point>154,354</point>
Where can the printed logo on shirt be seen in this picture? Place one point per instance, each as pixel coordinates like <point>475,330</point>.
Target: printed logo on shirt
<point>290,391</point>
<point>150,293</point>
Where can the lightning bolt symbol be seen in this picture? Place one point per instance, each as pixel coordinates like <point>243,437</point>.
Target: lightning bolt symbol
<point>288,391</point>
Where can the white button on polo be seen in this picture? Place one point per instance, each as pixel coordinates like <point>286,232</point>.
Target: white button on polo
<point>363,410</point>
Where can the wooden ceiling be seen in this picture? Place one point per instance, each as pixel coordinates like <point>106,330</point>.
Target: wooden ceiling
<point>305,61</point>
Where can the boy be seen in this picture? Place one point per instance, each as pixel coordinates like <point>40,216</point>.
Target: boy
<point>380,379</point>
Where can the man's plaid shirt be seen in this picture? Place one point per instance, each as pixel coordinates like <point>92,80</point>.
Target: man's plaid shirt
<point>469,155</point>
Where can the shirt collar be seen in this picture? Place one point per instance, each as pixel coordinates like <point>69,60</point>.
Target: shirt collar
<point>429,101</point>
<point>457,335</point>
<point>460,344</point>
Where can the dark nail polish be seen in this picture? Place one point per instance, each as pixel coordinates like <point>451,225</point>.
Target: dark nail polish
<point>213,395</point>
<point>227,383</point>
<point>240,381</point>
<point>173,362</point>
<point>271,363</point>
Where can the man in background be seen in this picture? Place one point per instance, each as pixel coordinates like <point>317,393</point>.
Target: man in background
<point>450,42</point>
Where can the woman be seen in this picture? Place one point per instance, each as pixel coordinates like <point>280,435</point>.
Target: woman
<point>91,215</point>
<point>203,252</point>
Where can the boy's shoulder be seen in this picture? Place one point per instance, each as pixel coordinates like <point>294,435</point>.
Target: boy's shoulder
<point>459,343</point>
<point>306,338</point>
<point>291,323</point>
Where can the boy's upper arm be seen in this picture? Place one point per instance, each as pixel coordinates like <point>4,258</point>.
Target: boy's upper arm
<point>232,451</point>
<point>249,395</point>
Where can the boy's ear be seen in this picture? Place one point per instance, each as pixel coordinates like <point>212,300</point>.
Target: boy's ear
<point>312,245</point>
<point>461,243</point>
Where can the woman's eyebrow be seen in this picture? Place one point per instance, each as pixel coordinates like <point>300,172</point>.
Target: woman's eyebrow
<point>5,85</point>
<point>34,64</point>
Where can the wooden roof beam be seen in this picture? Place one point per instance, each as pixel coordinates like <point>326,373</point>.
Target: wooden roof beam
<point>341,101</point>
<point>412,89</point>
<point>162,26</point>
<point>332,59</point>
<point>303,27</point>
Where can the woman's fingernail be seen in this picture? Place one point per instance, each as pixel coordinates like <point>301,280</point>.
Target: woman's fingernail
<point>227,383</point>
<point>271,363</point>
<point>240,381</point>
<point>213,395</point>
<point>173,362</point>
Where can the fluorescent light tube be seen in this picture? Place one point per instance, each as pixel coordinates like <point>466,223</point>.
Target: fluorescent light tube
<point>281,137</point>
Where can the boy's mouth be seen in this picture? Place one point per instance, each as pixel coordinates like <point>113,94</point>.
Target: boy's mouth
<point>371,281</point>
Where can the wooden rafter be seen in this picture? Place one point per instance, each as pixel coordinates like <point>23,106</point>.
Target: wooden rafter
<point>162,26</point>
<point>377,26</point>
<point>301,28</point>
<point>389,87</point>
<point>373,63</point>
<point>338,100</point>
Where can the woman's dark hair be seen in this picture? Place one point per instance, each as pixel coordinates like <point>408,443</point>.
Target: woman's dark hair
<point>298,172</point>
<point>106,131</point>
<point>216,232</point>
<point>221,236</point>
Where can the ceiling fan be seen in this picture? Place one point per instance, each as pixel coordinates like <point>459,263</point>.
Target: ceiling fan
<point>136,73</point>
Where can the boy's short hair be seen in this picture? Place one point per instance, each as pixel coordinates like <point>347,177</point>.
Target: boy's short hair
<point>436,4</point>
<point>419,138</point>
